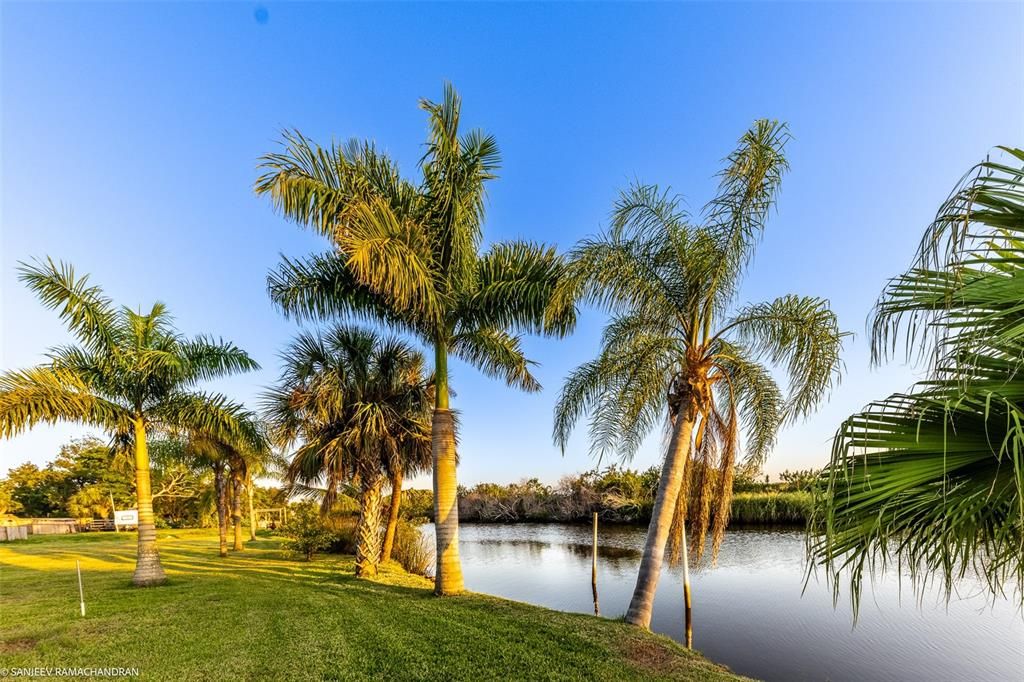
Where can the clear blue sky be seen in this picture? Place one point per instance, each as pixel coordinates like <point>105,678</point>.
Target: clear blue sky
<point>130,134</point>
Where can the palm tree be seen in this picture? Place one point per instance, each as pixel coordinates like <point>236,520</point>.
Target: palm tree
<point>251,472</point>
<point>932,479</point>
<point>354,401</point>
<point>409,256</point>
<point>677,346</point>
<point>199,453</point>
<point>239,471</point>
<point>130,374</point>
<point>231,463</point>
<point>412,459</point>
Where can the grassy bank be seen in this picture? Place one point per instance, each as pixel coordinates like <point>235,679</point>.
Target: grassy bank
<point>260,615</point>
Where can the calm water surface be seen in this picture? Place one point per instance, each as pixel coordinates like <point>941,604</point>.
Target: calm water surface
<point>749,613</point>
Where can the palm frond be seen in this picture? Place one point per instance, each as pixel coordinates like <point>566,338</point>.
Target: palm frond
<point>800,334</point>
<point>497,354</point>
<point>515,283</point>
<point>86,311</point>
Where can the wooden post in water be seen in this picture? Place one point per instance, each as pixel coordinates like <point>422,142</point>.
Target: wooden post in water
<point>686,591</point>
<point>593,569</point>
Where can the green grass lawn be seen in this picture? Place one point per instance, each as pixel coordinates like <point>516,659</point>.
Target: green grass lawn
<point>260,615</point>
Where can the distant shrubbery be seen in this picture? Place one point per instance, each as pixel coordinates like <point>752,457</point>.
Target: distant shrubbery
<point>618,496</point>
<point>308,533</point>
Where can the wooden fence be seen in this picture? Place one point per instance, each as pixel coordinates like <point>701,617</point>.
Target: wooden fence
<point>8,533</point>
<point>53,526</point>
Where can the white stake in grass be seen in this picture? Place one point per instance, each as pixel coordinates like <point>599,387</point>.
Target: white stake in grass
<point>81,593</point>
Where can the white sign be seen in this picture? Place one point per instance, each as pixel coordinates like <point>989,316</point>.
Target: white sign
<point>126,517</point>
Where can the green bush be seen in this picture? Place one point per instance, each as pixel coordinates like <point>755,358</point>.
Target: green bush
<point>306,532</point>
<point>411,550</point>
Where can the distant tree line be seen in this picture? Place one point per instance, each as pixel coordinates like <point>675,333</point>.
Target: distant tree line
<point>87,476</point>
<point>618,495</point>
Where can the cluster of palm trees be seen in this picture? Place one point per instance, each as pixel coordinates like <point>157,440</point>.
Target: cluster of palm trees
<point>357,408</point>
<point>407,256</point>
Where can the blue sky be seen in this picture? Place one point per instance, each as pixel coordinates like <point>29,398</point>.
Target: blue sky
<point>130,134</point>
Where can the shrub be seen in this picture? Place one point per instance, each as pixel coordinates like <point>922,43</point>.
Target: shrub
<point>306,532</point>
<point>343,533</point>
<point>411,550</point>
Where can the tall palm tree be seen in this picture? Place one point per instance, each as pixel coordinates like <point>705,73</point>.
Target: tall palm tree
<point>678,347</point>
<point>239,470</point>
<point>933,479</point>
<point>354,401</point>
<point>201,453</point>
<point>130,374</point>
<point>231,462</point>
<point>410,256</point>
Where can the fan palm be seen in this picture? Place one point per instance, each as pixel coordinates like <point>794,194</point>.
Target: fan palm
<point>355,402</point>
<point>130,374</point>
<point>410,256</point>
<point>932,479</point>
<point>412,459</point>
<point>677,346</point>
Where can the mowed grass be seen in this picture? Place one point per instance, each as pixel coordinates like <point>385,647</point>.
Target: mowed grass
<point>261,615</point>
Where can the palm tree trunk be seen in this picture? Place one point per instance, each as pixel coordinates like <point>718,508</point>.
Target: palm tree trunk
<point>396,503</point>
<point>148,570</point>
<point>236,507</point>
<point>448,573</point>
<point>222,506</point>
<point>368,538</point>
<point>252,512</point>
<point>642,603</point>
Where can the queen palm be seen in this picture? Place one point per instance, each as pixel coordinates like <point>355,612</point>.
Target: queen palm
<point>933,479</point>
<point>677,345</point>
<point>353,401</point>
<point>410,256</point>
<point>130,374</point>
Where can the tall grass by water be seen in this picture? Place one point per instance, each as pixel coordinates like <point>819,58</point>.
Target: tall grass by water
<point>771,507</point>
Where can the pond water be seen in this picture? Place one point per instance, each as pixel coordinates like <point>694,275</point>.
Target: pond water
<point>751,612</point>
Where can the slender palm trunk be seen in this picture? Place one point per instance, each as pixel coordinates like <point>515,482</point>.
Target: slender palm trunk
<point>148,570</point>
<point>672,471</point>
<point>368,537</point>
<point>396,503</point>
<point>222,506</point>
<point>252,511</point>
<point>236,507</point>
<point>448,574</point>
